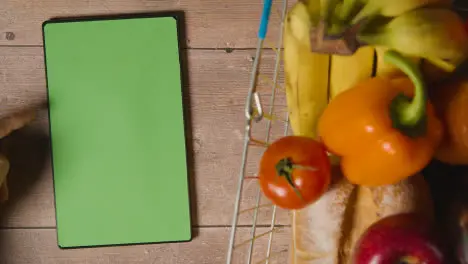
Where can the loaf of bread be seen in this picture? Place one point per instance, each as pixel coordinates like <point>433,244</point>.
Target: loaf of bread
<point>326,231</point>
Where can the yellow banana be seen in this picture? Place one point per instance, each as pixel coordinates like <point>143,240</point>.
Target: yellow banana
<point>347,71</point>
<point>435,34</point>
<point>306,73</point>
<point>392,8</point>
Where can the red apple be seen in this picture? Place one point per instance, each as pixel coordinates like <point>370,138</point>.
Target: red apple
<point>402,238</point>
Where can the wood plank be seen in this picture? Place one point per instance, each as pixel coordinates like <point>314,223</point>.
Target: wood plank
<point>210,23</point>
<point>217,88</point>
<point>33,246</point>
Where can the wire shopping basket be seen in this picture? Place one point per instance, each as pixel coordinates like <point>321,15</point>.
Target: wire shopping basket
<point>265,106</point>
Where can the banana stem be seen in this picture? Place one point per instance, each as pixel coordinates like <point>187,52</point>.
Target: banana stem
<point>347,8</point>
<point>327,8</point>
<point>366,12</point>
<point>408,115</point>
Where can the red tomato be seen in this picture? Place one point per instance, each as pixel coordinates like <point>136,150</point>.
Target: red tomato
<point>294,172</point>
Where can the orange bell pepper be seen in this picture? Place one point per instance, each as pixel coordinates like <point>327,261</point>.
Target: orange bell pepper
<point>382,132</point>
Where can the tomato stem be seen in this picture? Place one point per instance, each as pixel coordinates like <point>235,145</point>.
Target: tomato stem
<point>285,167</point>
<point>408,114</point>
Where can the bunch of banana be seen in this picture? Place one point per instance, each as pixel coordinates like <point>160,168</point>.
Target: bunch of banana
<point>307,73</point>
<point>426,30</point>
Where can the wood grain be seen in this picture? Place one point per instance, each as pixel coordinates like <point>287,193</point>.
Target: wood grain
<point>210,23</point>
<point>216,91</point>
<point>214,94</point>
<point>39,246</point>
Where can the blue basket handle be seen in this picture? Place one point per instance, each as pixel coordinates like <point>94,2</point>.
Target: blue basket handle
<point>262,31</point>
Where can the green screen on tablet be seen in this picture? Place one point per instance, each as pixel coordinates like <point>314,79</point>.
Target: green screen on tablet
<point>117,131</point>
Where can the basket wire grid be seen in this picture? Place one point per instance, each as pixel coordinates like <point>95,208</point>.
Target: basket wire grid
<point>255,112</point>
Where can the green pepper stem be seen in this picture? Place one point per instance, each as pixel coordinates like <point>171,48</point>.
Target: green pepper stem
<point>408,115</point>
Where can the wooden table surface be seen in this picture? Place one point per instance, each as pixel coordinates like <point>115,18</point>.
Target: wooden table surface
<point>220,41</point>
